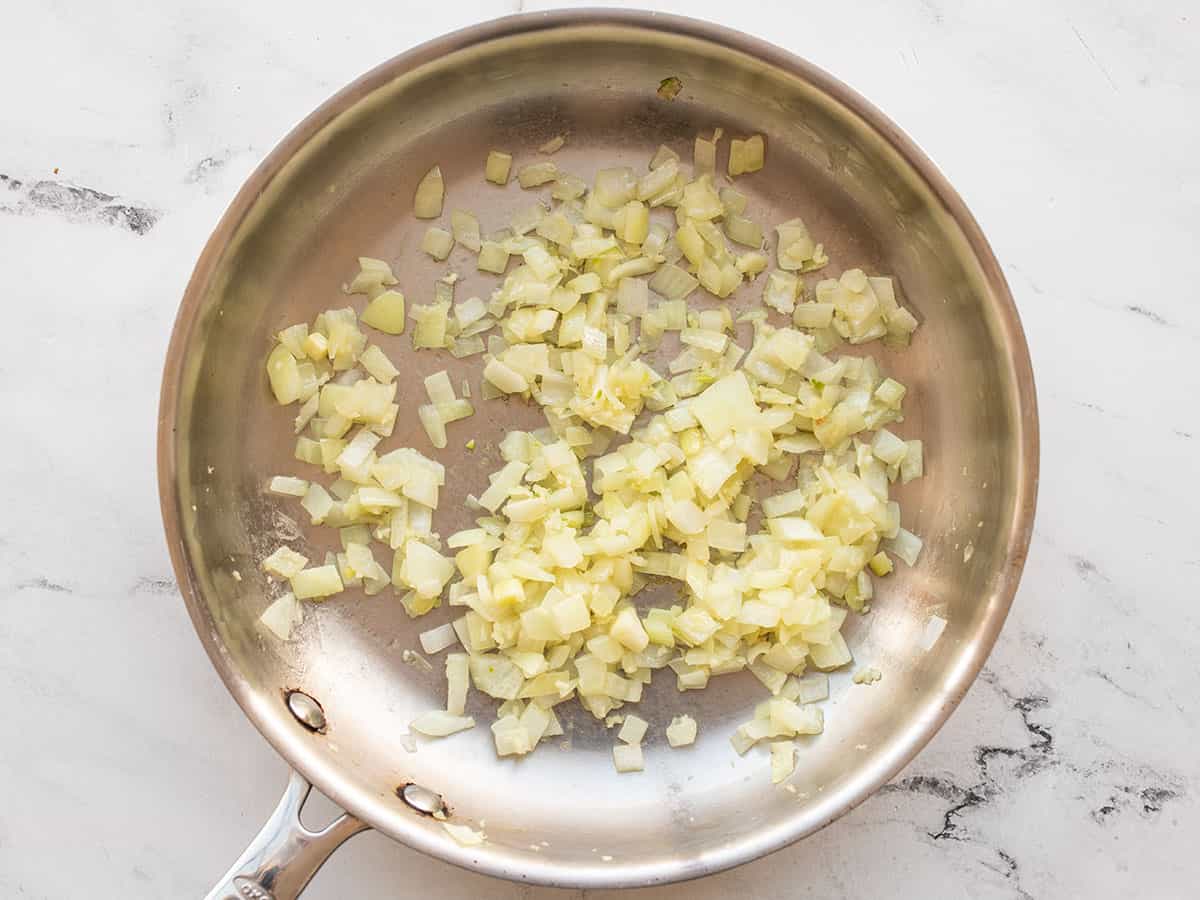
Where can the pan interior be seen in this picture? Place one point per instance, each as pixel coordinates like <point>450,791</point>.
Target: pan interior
<point>345,190</point>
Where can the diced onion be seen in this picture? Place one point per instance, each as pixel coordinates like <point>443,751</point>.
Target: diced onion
<point>282,616</point>
<point>743,231</point>
<point>906,545</point>
<point>498,167</point>
<point>287,486</point>
<point>438,639</point>
<point>492,258</point>
<point>285,562</point>
<point>913,464</point>
<point>783,759</point>
<point>439,723</point>
<point>323,581</point>
<point>746,156</point>
<point>673,282</point>
<point>546,574</point>
<point>465,228</point>
<point>633,729</point>
<point>682,731</point>
<point>386,313</point>
<point>933,630</point>
<point>377,365</point>
<point>536,174</point>
<point>628,758</point>
<point>427,203</point>
<point>438,243</point>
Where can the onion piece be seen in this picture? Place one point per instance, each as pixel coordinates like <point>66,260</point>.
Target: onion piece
<point>662,155</point>
<point>465,228</point>
<point>704,154</point>
<point>282,616</point>
<point>913,464</point>
<point>783,758</point>
<point>633,730</point>
<point>673,282</point>
<point>906,545</point>
<point>498,167</point>
<point>743,231</point>
<point>438,243</point>
<point>435,640</point>
<point>317,583</point>
<point>536,174</point>
<point>439,723</point>
<point>746,156</point>
<point>284,562</point>
<point>492,258</point>
<point>287,486</point>
<point>628,758</point>
<point>427,202</point>
<point>682,731</point>
<point>457,682</point>
<point>386,313</point>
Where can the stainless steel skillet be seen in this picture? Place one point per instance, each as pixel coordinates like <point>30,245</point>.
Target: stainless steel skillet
<point>335,701</point>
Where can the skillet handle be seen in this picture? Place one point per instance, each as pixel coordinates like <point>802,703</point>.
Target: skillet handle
<point>285,855</point>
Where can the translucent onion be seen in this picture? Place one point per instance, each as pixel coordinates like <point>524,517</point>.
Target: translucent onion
<point>431,191</point>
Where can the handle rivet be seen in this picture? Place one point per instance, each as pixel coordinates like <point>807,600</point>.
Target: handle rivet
<point>421,799</point>
<point>307,711</point>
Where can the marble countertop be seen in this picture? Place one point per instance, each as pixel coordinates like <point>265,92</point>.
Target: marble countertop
<point>1071,769</point>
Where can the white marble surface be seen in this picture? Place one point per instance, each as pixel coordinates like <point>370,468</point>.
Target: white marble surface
<point>1072,768</point>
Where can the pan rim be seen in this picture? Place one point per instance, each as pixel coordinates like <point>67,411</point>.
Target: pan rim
<point>327,778</point>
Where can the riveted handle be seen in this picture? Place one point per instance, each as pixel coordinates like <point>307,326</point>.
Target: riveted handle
<point>285,855</point>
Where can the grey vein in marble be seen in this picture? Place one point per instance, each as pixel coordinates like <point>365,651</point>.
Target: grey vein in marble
<point>74,203</point>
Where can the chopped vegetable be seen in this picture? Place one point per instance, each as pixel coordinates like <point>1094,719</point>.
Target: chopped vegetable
<point>493,258</point>
<point>906,545</point>
<point>536,174</point>
<point>282,616</point>
<point>746,156</point>
<point>633,730</point>
<point>427,203</point>
<point>386,313</point>
<point>682,731</point>
<point>323,581</point>
<point>780,292</point>
<point>868,676</point>
<point>438,723</point>
<point>628,758</point>
<point>588,287</point>
<point>783,760</point>
<point>498,167</point>
<point>669,88</point>
<point>438,243</point>
<point>465,228</point>
<point>377,365</point>
<point>287,486</point>
<point>285,562</point>
<point>796,248</point>
<point>933,630</point>
<point>812,688</point>
<point>373,276</point>
<point>438,639</point>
